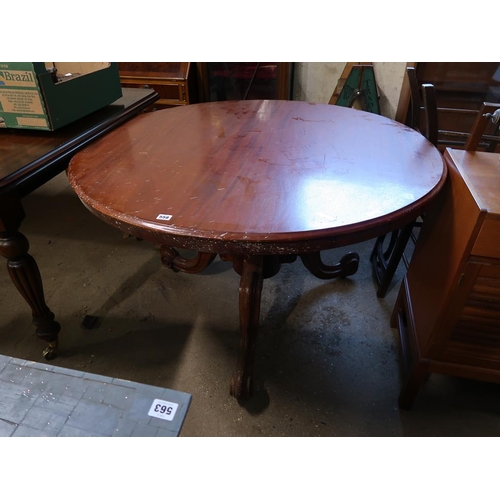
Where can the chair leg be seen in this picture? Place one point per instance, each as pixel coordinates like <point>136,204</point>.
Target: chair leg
<point>384,264</point>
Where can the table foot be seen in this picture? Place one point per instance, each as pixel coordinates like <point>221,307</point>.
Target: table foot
<point>239,388</point>
<point>347,266</point>
<point>249,304</point>
<point>25,275</point>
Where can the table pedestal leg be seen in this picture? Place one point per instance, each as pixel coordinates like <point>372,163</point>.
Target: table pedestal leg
<point>24,272</point>
<point>249,303</point>
<point>347,266</point>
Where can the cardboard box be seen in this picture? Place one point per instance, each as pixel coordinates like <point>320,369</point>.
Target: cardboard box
<point>47,96</point>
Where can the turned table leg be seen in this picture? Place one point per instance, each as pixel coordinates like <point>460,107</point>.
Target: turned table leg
<point>249,304</point>
<point>25,274</point>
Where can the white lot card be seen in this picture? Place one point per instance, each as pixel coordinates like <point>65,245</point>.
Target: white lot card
<point>163,409</point>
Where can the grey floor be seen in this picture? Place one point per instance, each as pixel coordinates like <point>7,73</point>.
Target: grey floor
<point>327,360</point>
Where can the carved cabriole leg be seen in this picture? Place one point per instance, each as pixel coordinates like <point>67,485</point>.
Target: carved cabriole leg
<point>249,304</point>
<point>25,274</point>
<point>171,258</point>
<point>347,266</point>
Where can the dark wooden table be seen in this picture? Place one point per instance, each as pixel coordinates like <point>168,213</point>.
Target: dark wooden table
<point>259,183</point>
<point>28,159</point>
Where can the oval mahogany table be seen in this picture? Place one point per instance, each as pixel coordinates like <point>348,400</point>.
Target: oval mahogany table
<point>259,183</point>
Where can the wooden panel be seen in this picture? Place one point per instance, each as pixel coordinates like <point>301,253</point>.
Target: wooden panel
<point>218,81</point>
<point>404,98</point>
<point>461,88</point>
<point>160,70</point>
<point>448,308</point>
<point>443,245</point>
<point>456,120</point>
<point>175,83</point>
<point>488,240</point>
<point>481,172</point>
<point>476,336</point>
<point>463,76</point>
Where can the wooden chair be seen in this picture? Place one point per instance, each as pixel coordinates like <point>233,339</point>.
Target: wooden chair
<point>386,261</point>
<point>418,111</point>
<point>416,106</point>
<point>423,109</point>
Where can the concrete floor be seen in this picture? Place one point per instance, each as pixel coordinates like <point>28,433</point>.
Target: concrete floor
<point>327,360</point>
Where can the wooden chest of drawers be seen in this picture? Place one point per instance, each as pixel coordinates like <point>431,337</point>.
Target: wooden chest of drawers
<point>175,82</point>
<point>448,307</point>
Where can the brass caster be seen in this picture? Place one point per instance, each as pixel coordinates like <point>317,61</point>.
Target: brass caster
<point>51,350</point>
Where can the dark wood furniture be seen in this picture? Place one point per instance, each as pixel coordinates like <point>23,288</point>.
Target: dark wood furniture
<point>461,89</point>
<point>259,183</point>
<point>28,160</point>
<point>225,81</point>
<point>448,307</point>
<point>175,82</point>
<point>424,115</point>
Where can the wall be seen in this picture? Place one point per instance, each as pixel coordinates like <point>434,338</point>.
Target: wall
<point>316,81</point>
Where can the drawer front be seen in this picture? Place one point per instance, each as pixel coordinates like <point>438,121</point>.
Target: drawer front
<point>488,241</point>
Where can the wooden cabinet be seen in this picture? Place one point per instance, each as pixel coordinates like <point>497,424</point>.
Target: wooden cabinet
<point>182,83</point>
<point>448,307</point>
<point>222,81</point>
<point>175,82</point>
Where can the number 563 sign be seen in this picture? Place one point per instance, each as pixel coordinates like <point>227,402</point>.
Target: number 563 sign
<point>163,409</point>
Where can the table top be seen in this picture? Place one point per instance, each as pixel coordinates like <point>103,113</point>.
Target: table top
<point>24,154</point>
<point>270,176</point>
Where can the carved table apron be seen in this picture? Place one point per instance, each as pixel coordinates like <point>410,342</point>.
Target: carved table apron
<point>260,183</point>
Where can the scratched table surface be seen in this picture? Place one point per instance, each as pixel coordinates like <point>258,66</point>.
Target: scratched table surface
<point>268,172</point>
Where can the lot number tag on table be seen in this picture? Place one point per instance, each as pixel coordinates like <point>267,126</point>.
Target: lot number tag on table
<point>163,409</point>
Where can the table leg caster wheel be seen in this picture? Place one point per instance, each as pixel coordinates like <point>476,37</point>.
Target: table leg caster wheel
<point>51,350</point>
<point>241,387</point>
